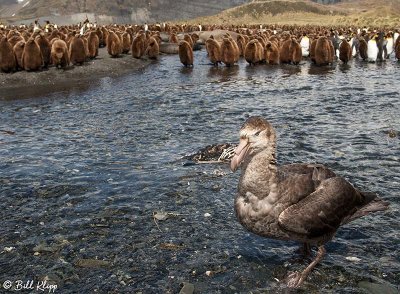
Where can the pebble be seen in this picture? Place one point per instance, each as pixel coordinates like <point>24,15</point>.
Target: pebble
<point>372,288</point>
<point>339,153</point>
<point>42,247</point>
<point>353,258</point>
<point>187,288</point>
<point>92,263</point>
<point>161,216</point>
<point>392,134</point>
<point>8,249</point>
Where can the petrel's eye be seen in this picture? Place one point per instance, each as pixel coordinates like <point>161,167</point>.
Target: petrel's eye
<point>256,134</point>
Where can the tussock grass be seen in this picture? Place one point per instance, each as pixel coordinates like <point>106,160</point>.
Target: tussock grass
<point>361,13</point>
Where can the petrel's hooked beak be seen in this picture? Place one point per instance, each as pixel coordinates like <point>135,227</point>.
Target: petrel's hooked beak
<point>240,153</point>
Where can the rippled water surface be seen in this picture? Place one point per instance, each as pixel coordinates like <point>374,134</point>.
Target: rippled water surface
<point>86,169</point>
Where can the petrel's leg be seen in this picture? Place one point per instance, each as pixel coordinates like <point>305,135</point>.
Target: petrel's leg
<point>296,279</point>
<point>305,249</point>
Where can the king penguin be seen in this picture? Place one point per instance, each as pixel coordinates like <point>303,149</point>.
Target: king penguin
<point>305,46</point>
<point>372,49</point>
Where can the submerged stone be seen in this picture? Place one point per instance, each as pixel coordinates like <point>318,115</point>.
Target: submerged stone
<point>373,288</point>
<point>187,288</point>
<point>92,263</point>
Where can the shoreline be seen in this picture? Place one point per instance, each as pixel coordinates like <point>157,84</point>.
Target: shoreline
<point>46,81</point>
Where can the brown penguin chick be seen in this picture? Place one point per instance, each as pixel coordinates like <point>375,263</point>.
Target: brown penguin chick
<point>100,35</point>
<point>345,51</point>
<point>332,53</point>
<point>254,52</point>
<point>153,50</point>
<point>284,52</point>
<point>295,51</point>
<point>173,38</point>
<point>13,36</point>
<point>14,39</point>
<point>86,45</point>
<point>185,53</point>
<point>137,45</point>
<point>313,44</point>
<point>130,31</point>
<point>397,41</point>
<point>8,62</point>
<point>59,53</point>
<point>54,34</point>
<point>301,202</point>
<point>114,46</point>
<point>45,48</point>
<point>126,43</point>
<point>214,51</point>
<point>322,51</point>
<point>246,40</point>
<point>157,37</point>
<point>262,41</point>
<point>271,53</point>
<point>188,39</point>
<point>25,35</point>
<point>241,42</point>
<point>275,39</point>
<point>18,50</point>
<point>93,44</point>
<point>397,48</point>
<point>77,53</point>
<point>363,48</point>
<point>12,33</point>
<point>236,47</point>
<point>195,37</point>
<point>229,55</point>
<point>206,45</point>
<point>31,56</point>
<point>105,36</point>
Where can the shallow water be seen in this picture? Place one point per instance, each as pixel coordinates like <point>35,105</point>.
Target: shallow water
<point>87,168</point>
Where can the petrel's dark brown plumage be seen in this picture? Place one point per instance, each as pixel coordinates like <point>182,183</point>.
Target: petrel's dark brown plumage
<point>302,202</point>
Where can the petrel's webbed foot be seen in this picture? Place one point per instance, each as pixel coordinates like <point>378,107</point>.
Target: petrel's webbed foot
<point>296,279</point>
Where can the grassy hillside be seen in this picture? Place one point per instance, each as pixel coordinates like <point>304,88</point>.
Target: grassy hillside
<point>371,12</point>
<point>302,12</point>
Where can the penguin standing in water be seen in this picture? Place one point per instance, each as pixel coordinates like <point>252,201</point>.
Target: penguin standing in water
<point>372,49</point>
<point>345,51</point>
<point>305,46</point>
<point>380,42</point>
<point>395,38</point>
<point>355,45</point>
<point>388,45</point>
<point>335,42</point>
